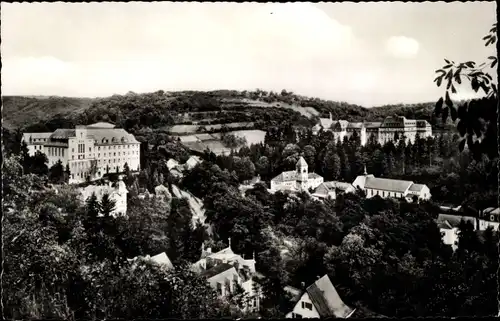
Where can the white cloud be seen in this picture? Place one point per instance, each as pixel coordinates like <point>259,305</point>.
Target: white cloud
<point>402,47</point>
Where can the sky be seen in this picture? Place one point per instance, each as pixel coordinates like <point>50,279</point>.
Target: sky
<point>369,54</point>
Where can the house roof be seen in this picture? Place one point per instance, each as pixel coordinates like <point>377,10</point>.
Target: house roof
<point>386,184</point>
<point>373,124</point>
<point>301,162</point>
<point>454,220</point>
<point>162,259</point>
<point>101,125</point>
<point>326,122</point>
<point>444,225</point>
<point>172,163</point>
<point>416,187</point>
<point>98,134</point>
<point>327,301</point>
<point>26,136</point>
<point>218,269</point>
<point>63,133</point>
<point>355,125</point>
<point>292,176</point>
<point>337,185</point>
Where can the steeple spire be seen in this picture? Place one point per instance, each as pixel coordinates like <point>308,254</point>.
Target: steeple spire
<point>229,241</point>
<point>365,173</point>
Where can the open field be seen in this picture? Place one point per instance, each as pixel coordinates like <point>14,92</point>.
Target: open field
<point>187,129</point>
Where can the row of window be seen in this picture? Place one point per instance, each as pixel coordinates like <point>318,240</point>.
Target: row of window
<point>119,153</point>
<point>383,193</point>
<point>55,151</point>
<point>117,147</point>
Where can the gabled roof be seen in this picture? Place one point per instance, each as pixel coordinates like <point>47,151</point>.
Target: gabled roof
<point>326,122</point>
<point>373,124</point>
<point>327,301</point>
<point>416,187</point>
<point>301,162</point>
<point>386,184</point>
<point>444,225</point>
<point>26,136</point>
<point>162,259</point>
<point>63,133</point>
<point>454,220</point>
<point>218,269</point>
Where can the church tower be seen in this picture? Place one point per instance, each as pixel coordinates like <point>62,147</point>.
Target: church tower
<point>302,174</point>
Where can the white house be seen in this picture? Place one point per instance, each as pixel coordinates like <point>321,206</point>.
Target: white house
<point>192,162</point>
<point>385,187</point>
<point>448,225</point>
<point>89,151</point>
<point>320,300</point>
<point>298,180</point>
<point>224,270</point>
<point>117,193</point>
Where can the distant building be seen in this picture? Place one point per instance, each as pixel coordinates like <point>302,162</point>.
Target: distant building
<point>489,217</point>
<point>391,129</point>
<point>160,259</point>
<point>90,151</point>
<point>320,300</point>
<point>385,187</point>
<point>225,271</point>
<point>117,193</point>
<point>298,180</point>
<point>331,189</point>
<point>192,162</point>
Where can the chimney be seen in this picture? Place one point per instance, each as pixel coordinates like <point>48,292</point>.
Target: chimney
<point>331,118</point>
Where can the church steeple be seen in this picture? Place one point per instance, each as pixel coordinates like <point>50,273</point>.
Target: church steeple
<point>365,172</point>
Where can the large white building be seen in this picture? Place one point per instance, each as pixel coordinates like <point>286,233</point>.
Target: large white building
<point>90,151</point>
<point>385,188</point>
<point>298,180</point>
<point>391,129</point>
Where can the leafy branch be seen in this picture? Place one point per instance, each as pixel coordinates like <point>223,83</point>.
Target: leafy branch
<point>473,116</point>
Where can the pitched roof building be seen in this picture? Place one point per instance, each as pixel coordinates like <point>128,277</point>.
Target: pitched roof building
<point>385,187</point>
<point>298,180</point>
<point>117,192</point>
<point>320,300</point>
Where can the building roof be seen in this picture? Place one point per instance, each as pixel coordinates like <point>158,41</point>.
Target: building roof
<point>338,185</point>
<point>101,125</point>
<point>27,136</point>
<point>327,301</point>
<point>218,269</point>
<point>162,259</point>
<point>355,125</point>
<point>301,162</point>
<point>63,133</point>
<point>292,176</point>
<point>112,135</point>
<point>444,225</point>
<point>326,122</point>
<point>416,187</point>
<point>172,163</point>
<point>386,184</point>
<point>373,124</point>
<point>454,220</point>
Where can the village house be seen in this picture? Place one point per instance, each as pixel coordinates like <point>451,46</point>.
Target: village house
<point>385,187</point>
<point>320,300</point>
<point>225,271</point>
<point>298,180</point>
<point>89,151</point>
<point>117,192</point>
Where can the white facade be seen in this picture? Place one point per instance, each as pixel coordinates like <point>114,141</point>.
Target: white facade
<point>90,151</point>
<point>303,309</point>
<point>118,194</point>
<point>298,180</point>
<point>385,188</point>
<point>225,269</point>
<point>384,132</point>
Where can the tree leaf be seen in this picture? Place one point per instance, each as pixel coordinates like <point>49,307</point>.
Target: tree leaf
<point>461,145</point>
<point>475,84</point>
<point>453,90</point>
<point>493,63</point>
<point>447,61</point>
<point>453,113</point>
<point>444,115</point>
<point>461,128</point>
<point>447,66</point>
<point>447,100</point>
<point>439,106</point>
<point>485,88</point>
<point>470,64</point>
<point>462,111</point>
<point>439,81</point>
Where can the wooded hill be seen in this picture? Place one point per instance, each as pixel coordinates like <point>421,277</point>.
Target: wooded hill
<point>160,109</point>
